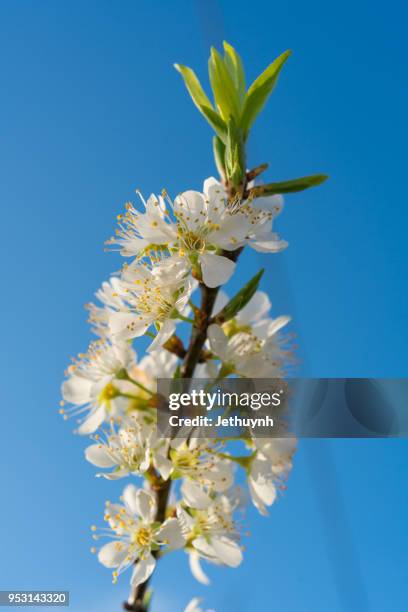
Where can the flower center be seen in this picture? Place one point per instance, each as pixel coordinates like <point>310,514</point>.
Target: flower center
<point>191,241</point>
<point>109,392</point>
<point>143,536</point>
<point>185,460</point>
<point>232,327</point>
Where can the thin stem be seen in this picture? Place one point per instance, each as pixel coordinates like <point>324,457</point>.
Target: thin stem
<point>137,383</point>
<point>183,318</point>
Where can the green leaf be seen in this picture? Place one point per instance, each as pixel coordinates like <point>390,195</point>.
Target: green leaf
<point>234,66</point>
<point>225,94</point>
<point>219,155</point>
<point>215,121</point>
<point>193,85</point>
<point>292,186</point>
<point>240,300</point>
<point>201,100</point>
<point>234,153</point>
<point>260,91</point>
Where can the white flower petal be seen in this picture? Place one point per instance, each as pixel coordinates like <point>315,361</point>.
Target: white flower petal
<point>263,493</point>
<point>162,464</point>
<point>213,189</point>
<point>76,390</point>
<point>130,499</point>
<point>143,570</point>
<point>193,605</point>
<point>277,324</point>
<point>93,421</point>
<point>204,548</point>
<point>256,308</point>
<point>186,521</point>
<point>216,269</point>
<point>218,341</point>
<point>126,325</point>
<point>112,554</point>
<point>221,300</point>
<point>272,245</point>
<point>260,328</point>
<point>227,551</point>
<point>188,206</point>
<point>171,533</point>
<point>197,570</point>
<point>165,332</point>
<point>232,233</point>
<point>131,247</point>
<point>221,476</point>
<point>98,455</point>
<point>115,475</point>
<point>145,505</point>
<point>272,203</point>
<point>195,496</point>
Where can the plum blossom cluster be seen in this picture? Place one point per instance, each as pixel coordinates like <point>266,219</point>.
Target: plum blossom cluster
<point>187,498</point>
<point>182,493</point>
<point>173,245</point>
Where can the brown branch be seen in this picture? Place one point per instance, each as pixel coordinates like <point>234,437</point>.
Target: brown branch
<point>199,331</point>
<point>194,354</point>
<point>252,174</point>
<point>175,345</point>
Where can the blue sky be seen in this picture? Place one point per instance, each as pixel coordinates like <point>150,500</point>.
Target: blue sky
<point>92,109</point>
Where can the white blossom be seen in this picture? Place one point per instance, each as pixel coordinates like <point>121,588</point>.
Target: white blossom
<point>136,534</point>
<point>198,461</point>
<point>108,295</point>
<point>126,449</point>
<point>253,317</point>
<point>130,449</point>
<point>152,295</point>
<point>172,242</point>
<point>247,355</point>
<point>92,385</point>
<point>158,364</point>
<point>211,534</point>
<point>268,469</point>
<point>140,231</point>
<point>200,228</point>
<point>259,213</point>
